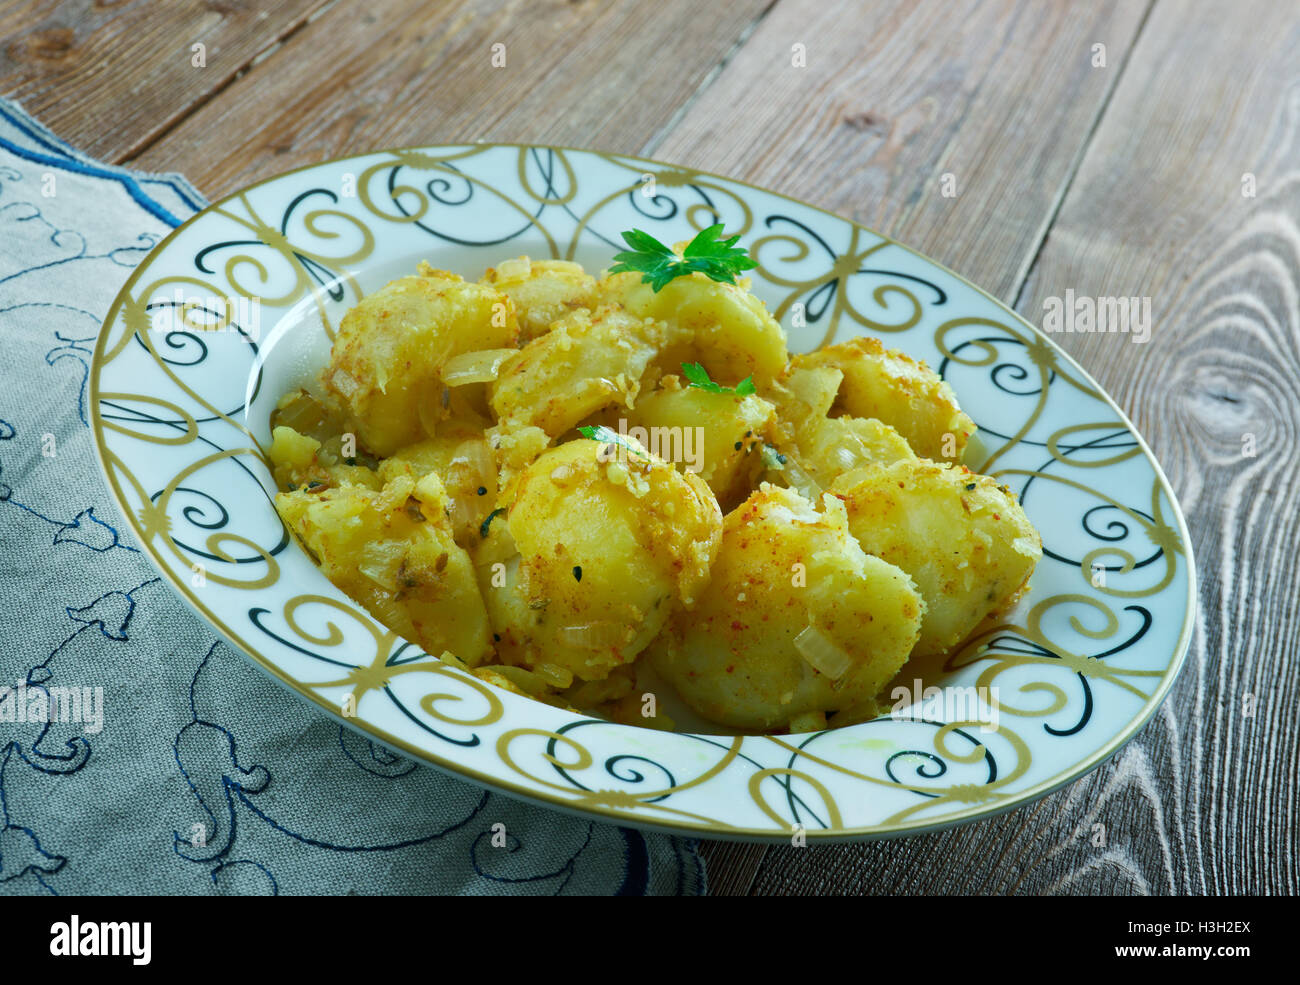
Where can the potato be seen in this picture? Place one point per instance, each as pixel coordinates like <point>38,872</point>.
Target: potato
<point>606,549</point>
<point>805,393</point>
<point>299,460</point>
<point>514,448</point>
<point>468,520</point>
<point>813,449</point>
<point>723,326</point>
<point>718,436</point>
<point>385,365</point>
<point>796,620</point>
<point>589,360</point>
<point>961,536</point>
<point>544,291</point>
<point>835,445</point>
<point>392,551</point>
<point>462,459</point>
<point>895,389</point>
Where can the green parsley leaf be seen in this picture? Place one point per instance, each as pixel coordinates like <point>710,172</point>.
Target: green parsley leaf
<point>483,530</point>
<point>606,436</point>
<point>718,259</point>
<point>697,376</point>
<point>772,459</point>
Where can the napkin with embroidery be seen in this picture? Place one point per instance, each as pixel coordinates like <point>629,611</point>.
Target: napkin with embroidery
<point>186,770</point>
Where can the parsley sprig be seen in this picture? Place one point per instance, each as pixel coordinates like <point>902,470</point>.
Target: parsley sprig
<point>609,436</point>
<point>716,258</point>
<point>697,376</point>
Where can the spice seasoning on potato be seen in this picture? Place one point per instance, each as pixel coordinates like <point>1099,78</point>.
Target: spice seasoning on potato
<point>565,483</point>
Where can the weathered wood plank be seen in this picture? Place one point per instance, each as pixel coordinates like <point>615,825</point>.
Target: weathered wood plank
<point>1158,211</point>
<point>897,94</point>
<point>1204,801</point>
<point>600,75</point>
<point>111,78</point>
<point>1001,96</point>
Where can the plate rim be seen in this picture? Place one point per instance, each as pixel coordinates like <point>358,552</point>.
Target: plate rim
<point>607,814</point>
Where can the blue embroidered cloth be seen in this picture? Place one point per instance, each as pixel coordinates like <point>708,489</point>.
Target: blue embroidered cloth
<point>138,753</point>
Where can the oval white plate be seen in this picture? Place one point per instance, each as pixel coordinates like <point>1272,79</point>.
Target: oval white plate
<point>181,403</point>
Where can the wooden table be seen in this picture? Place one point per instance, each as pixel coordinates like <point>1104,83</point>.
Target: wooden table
<point>1124,148</point>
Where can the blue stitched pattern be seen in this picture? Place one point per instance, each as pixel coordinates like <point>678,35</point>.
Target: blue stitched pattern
<point>139,753</point>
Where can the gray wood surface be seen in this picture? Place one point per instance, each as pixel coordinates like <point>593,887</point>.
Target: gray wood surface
<point>1122,179</point>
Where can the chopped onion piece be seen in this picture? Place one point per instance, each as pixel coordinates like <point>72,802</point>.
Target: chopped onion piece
<point>475,456</point>
<point>448,657</point>
<point>800,481</point>
<point>525,680</point>
<point>345,383</point>
<point>555,675</point>
<point>516,268</point>
<point>463,516</point>
<point>594,635</point>
<point>821,653</point>
<point>847,457</point>
<point>378,569</point>
<point>475,367</point>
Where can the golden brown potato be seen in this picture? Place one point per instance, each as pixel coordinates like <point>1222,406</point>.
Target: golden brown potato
<point>805,394</point>
<point>469,520</point>
<point>718,436</point>
<point>796,618</point>
<point>835,445</point>
<point>386,363</point>
<point>899,391</point>
<point>606,549</point>
<point>544,291</point>
<point>815,449</point>
<point>392,550</point>
<point>589,360</point>
<point>462,459</point>
<point>299,460</point>
<point>722,326</point>
<point>961,536</point>
<point>514,448</point>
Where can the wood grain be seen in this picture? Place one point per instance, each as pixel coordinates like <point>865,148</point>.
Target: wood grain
<point>112,77</point>
<point>1204,800</point>
<point>1002,96</point>
<point>1158,211</point>
<point>605,75</point>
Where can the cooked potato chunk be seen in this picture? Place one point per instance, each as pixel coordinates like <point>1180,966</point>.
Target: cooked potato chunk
<point>385,365</point>
<point>835,445</point>
<point>514,448</point>
<point>299,460</point>
<point>392,550</point>
<point>961,536</point>
<point>899,391</point>
<point>723,326</point>
<point>544,291</point>
<point>607,548</point>
<point>461,457</point>
<point>715,435</point>
<point>435,477</point>
<point>815,449</point>
<point>586,362</point>
<point>796,618</point>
